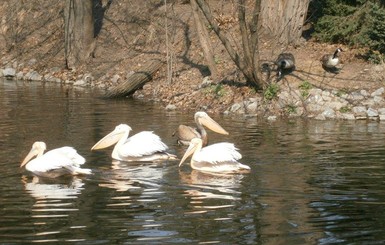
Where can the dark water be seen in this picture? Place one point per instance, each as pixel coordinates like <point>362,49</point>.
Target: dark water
<point>312,182</point>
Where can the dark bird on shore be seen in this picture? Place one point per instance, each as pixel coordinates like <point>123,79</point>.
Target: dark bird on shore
<point>186,133</point>
<point>330,61</point>
<point>285,64</point>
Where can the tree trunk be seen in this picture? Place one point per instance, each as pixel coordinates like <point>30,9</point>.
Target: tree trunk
<point>136,80</point>
<point>283,19</point>
<point>79,32</point>
<point>246,58</point>
<point>204,39</point>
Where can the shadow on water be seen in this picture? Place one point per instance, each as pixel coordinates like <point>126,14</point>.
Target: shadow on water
<point>310,181</point>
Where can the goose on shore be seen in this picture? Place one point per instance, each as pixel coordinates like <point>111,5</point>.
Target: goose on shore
<point>285,64</point>
<point>330,61</point>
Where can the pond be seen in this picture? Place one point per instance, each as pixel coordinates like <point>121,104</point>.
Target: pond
<point>311,182</point>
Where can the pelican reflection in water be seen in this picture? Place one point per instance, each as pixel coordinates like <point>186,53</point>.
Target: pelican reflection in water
<point>42,188</point>
<point>54,163</point>
<point>217,158</point>
<point>144,146</point>
<point>186,133</point>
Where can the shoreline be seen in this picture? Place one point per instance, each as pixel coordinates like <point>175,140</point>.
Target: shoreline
<point>303,101</point>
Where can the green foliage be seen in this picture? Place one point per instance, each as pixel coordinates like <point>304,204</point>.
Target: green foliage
<point>377,31</point>
<point>271,91</point>
<point>218,90</point>
<point>345,109</point>
<point>217,60</point>
<point>358,23</point>
<point>305,87</point>
<point>291,109</point>
<point>341,92</point>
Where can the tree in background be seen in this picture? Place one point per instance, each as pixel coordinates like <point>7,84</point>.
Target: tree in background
<point>79,32</point>
<point>283,20</point>
<point>204,39</point>
<point>358,23</point>
<point>82,23</point>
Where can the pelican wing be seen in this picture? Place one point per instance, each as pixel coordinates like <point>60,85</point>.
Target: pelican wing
<point>64,157</point>
<point>187,133</point>
<point>142,144</point>
<point>217,153</point>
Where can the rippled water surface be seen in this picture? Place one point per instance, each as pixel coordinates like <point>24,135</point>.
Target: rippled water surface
<point>312,182</point>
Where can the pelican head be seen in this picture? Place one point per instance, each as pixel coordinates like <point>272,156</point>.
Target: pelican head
<point>113,137</point>
<point>195,145</point>
<point>201,118</point>
<point>38,149</point>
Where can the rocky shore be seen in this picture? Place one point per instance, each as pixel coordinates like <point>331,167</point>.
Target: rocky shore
<point>289,100</point>
<point>318,104</point>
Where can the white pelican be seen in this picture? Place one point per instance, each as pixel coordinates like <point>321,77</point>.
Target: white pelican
<point>144,146</point>
<point>54,163</point>
<point>216,158</point>
<point>186,133</point>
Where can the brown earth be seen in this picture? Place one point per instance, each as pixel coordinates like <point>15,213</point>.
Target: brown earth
<point>134,32</point>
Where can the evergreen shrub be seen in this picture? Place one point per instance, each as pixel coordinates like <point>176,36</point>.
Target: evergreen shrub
<point>357,23</point>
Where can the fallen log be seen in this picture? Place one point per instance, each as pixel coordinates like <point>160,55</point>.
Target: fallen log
<point>136,80</point>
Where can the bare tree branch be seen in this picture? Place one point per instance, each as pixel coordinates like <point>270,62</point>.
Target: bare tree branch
<point>204,39</point>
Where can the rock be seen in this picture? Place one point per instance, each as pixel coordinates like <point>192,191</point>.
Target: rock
<point>54,69</point>
<point>33,76</point>
<point>314,108</point>
<point>336,105</point>
<point>235,107</point>
<point>356,96</point>
<point>378,99</point>
<point>206,82</point>
<point>315,91</point>
<point>251,108</point>
<point>329,113</point>
<point>129,73</point>
<point>20,75</point>
<point>50,78</point>
<point>88,78</point>
<point>372,112</point>
<point>365,93</point>
<point>115,78</point>
<point>80,82</point>
<point>272,118</point>
<point>368,103</point>
<point>320,117</point>
<point>31,62</point>
<point>381,111</point>
<point>317,98</point>
<point>170,107</point>
<point>9,72</point>
<point>378,92</point>
<point>348,116</point>
<point>359,112</point>
<point>326,95</point>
